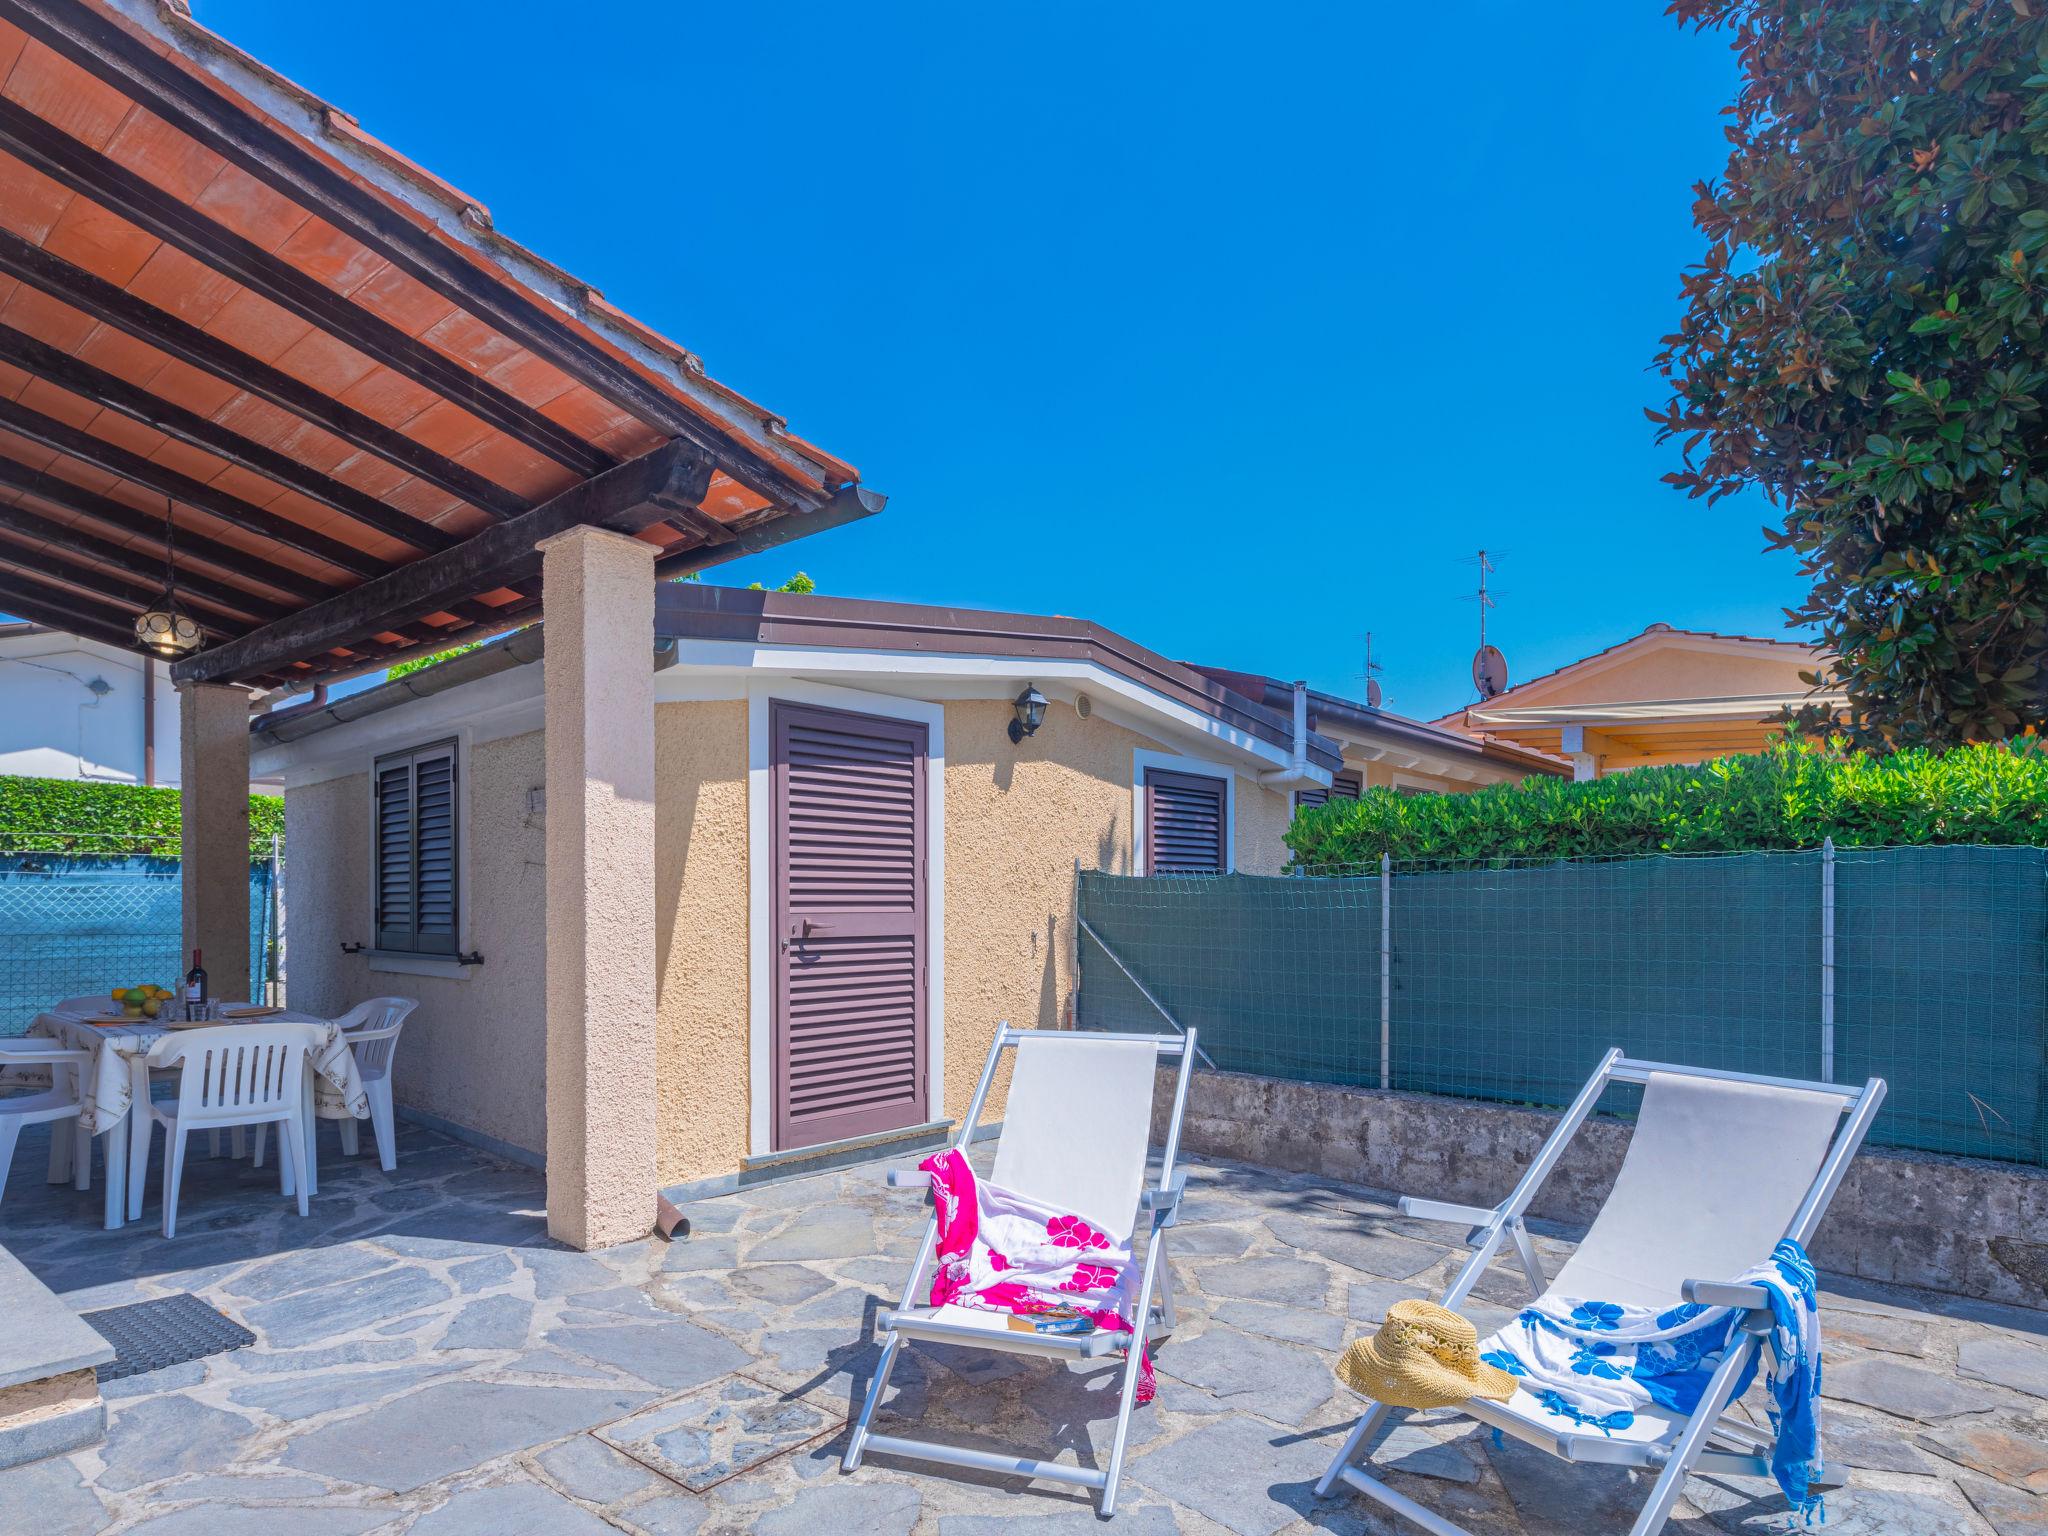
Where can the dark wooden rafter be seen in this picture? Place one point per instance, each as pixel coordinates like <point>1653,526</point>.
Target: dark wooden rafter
<point>626,499</point>
<point>165,481</point>
<point>700,527</point>
<point>145,525</point>
<point>95,296</point>
<point>139,559</point>
<point>43,602</point>
<point>70,163</point>
<point>128,560</point>
<point>138,404</point>
<point>290,168</point>
<point>848,504</point>
<point>105,586</point>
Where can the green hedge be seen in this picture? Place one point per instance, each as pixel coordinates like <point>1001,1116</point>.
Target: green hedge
<point>1788,797</point>
<point>66,816</point>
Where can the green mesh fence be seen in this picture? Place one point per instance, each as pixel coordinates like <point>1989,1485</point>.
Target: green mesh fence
<point>1507,981</point>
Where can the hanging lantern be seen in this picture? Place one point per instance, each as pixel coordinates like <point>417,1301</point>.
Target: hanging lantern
<point>166,628</point>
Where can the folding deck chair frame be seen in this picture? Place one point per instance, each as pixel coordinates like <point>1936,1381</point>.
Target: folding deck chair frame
<point>1708,1442</point>
<point>912,1321</point>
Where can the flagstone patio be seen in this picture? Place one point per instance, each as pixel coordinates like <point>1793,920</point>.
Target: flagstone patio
<point>427,1362</point>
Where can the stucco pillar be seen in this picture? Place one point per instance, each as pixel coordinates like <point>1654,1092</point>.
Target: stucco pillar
<point>213,838</point>
<point>598,595</point>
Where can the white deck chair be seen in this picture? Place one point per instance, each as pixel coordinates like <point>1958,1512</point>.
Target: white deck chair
<point>1721,1166</point>
<point>1075,1131</point>
<point>372,1029</point>
<point>59,1101</point>
<point>234,1075</point>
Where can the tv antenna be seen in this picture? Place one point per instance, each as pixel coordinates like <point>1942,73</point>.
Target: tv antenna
<point>1371,675</point>
<point>1489,667</point>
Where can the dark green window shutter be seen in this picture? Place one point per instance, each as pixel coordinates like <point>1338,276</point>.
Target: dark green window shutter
<point>413,843</point>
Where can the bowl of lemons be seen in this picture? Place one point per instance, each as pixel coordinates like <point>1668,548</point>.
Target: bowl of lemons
<point>142,1002</point>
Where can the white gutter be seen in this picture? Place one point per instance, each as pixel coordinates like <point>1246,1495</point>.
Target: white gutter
<point>1298,770</point>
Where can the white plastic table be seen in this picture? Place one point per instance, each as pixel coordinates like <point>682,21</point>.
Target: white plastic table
<point>119,1079</point>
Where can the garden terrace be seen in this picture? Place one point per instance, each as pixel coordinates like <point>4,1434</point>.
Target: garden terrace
<point>427,1362</point>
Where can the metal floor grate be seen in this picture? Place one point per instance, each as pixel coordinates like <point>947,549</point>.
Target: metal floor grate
<point>149,1335</point>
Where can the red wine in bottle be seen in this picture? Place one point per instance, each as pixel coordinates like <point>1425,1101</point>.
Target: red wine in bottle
<point>195,981</point>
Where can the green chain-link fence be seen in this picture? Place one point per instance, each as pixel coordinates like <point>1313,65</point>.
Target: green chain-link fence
<point>1925,966</point>
<point>78,924</point>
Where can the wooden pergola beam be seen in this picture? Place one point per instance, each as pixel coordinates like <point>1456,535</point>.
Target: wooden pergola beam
<point>165,481</point>
<point>288,167</point>
<point>64,494</point>
<point>70,163</point>
<point>627,499</point>
<point>95,296</point>
<point>129,561</point>
<point>138,404</point>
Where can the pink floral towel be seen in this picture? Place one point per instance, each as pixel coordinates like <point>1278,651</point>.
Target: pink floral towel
<point>1000,1251</point>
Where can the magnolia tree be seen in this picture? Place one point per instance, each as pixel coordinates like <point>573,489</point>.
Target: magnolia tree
<point>1864,342</point>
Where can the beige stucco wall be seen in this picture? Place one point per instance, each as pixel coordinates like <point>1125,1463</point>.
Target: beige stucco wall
<point>1384,775</point>
<point>1016,818</point>
<point>700,927</point>
<point>474,1051</point>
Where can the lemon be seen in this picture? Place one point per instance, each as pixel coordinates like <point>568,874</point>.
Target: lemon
<point>153,1007</point>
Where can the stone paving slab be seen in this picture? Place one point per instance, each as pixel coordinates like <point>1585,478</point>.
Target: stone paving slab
<point>429,1365</point>
<point>722,1430</point>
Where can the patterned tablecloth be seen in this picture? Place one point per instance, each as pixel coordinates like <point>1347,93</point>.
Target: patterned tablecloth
<point>107,1089</point>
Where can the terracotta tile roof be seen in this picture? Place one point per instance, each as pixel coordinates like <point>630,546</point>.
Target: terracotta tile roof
<point>222,300</point>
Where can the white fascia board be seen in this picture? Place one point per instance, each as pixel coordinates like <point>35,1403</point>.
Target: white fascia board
<point>705,667</point>
<point>504,704</point>
<point>508,703</point>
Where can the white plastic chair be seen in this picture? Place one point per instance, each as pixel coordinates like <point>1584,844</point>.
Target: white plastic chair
<point>372,1029</point>
<point>234,1075</point>
<point>1075,1131</point>
<point>60,1101</point>
<point>1720,1168</point>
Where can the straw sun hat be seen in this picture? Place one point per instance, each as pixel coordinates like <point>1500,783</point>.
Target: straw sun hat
<point>1424,1356</point>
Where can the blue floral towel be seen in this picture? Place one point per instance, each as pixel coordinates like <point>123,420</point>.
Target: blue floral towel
<point>1598,1362</point>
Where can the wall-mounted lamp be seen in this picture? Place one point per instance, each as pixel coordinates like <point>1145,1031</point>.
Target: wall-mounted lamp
<point>1030,711</point>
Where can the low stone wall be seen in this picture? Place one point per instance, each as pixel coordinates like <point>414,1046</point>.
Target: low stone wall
<point>1971,1228</point>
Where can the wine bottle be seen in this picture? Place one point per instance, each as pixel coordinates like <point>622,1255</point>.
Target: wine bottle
<point>195,981</point>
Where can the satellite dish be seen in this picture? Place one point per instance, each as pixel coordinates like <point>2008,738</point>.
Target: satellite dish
<point>1372,693</point>
<point>1489,671</point>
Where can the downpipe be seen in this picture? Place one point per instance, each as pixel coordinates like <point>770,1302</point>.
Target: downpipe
<point>1299,770</point>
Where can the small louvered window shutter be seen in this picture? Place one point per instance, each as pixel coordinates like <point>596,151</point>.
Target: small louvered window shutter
<point>1344,786</point>
<point>1186,823</point>
<point>414,846</point>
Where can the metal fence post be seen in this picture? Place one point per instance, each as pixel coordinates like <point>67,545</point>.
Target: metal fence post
<point>1827,960</point>
<point>273,989</point>
<point>1386,971</point>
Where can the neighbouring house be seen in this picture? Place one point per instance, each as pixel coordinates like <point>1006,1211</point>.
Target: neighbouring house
<point>1663,696</point>
<point>82,709</point>
<point>1383,749</point>
<point>863,860</point>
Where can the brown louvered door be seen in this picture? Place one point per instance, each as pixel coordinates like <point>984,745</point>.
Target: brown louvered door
<point>849,880</point>
<point>1187,823</point>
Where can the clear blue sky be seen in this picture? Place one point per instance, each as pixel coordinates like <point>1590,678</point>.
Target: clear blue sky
<point>1232,328</point>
